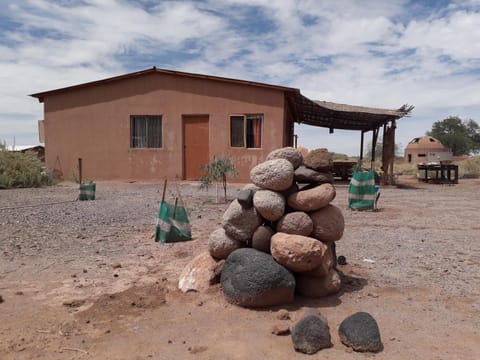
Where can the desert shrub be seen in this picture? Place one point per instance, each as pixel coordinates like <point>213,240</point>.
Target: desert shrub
<point>405,169</point>
<point>21,170</point>
<point>218,170</point>
<point>469,168</point>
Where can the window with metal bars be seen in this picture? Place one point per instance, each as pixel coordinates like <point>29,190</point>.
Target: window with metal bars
<point>145,131</point>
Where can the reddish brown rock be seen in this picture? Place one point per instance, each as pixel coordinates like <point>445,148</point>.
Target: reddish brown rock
<point>325,266</point>
<point>312,199</point>
<point>296,252</point>
<point>318,287</point>
<point>261,238</point>
<point>280,329</point>
<point>319,160</point>
<point>297,223</point>
<point>328,224</point>
<point>283,314</point>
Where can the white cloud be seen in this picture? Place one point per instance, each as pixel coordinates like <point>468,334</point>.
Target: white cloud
<point>384,54</point>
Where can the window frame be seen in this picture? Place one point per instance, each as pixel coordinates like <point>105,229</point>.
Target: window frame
<point>245,134</point>
<point>134,140</point>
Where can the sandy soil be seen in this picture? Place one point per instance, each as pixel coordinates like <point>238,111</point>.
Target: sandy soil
<point>85,280</point>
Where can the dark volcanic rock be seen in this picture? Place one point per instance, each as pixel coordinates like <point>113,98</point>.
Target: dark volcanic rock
<point>261,238</point>
<point>311,334</point>
<point>306,175</point>
<point>251,278</point>
<point>245,198</point>
<point>360,332</point>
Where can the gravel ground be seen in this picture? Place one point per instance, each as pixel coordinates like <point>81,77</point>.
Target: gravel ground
<point>420,252</point>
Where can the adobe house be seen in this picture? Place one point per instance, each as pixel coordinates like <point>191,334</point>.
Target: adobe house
<point>156,124</point>
<point>426,149</point>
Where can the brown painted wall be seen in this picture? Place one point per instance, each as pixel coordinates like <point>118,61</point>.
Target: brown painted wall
<point>93,123</point>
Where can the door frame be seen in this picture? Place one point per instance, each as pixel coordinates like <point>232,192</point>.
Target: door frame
<point>185,118</point>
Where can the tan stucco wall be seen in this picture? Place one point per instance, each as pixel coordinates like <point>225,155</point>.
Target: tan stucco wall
<point>424,147</point>
<point>93,123</point>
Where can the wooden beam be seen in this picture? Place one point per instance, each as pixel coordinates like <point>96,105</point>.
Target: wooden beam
<point>374,145</point>
<point>361,145</point>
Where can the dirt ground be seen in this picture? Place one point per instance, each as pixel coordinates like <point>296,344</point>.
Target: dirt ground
<point>85,280</point>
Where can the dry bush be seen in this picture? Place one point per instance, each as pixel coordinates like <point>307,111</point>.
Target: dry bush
<point>21,170</point>
<point>405,169</point>
<point>469,168</point>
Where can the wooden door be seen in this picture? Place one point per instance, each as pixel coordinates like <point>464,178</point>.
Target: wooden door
<point>195,145</point>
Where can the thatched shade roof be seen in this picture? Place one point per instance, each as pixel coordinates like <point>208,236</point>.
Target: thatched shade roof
<point>346,117</point>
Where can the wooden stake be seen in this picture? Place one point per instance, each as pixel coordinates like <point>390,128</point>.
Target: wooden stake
<point>164,189</point>
<point>175,207</point>
<point>80,170</point>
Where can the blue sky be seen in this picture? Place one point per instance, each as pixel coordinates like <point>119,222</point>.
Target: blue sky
<point>376,53</point>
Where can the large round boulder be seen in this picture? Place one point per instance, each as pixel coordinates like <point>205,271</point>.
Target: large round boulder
<point>269,204</point>
<point>296,252</point>
<point>220,245</point>
<point>240,223</point>
<point>311,334</point>
<point>251,278</point>
<point>318,287</point>
<point>274,174</point>
<point>328,224</point>
<point>312,199</point>
<point>319,160</point>
<point>261,238</point>
<point>297,223</point>
<point>310,176</point>
<point>288,153</point>
<point>360,332</point>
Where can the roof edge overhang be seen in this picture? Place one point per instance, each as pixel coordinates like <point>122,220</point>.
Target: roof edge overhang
<point>154,70</point>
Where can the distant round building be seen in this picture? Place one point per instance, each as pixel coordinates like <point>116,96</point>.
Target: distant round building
<point>426,149</point>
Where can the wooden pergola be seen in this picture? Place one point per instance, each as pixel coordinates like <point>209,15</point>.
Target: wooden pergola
<point>347,117</point>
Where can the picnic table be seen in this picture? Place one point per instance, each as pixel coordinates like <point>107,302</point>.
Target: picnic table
<point>438,173</point>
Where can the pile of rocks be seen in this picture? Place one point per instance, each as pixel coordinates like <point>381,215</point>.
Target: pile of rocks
<point>276,236</point>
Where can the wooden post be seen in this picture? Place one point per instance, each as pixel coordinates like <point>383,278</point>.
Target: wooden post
<point>361,146</point>
<point>374,145</point>
<point>80,170</point>
<point>385,149</point>
<point>175,208</point>
<point>164,189</point>
<point>391,177</point>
